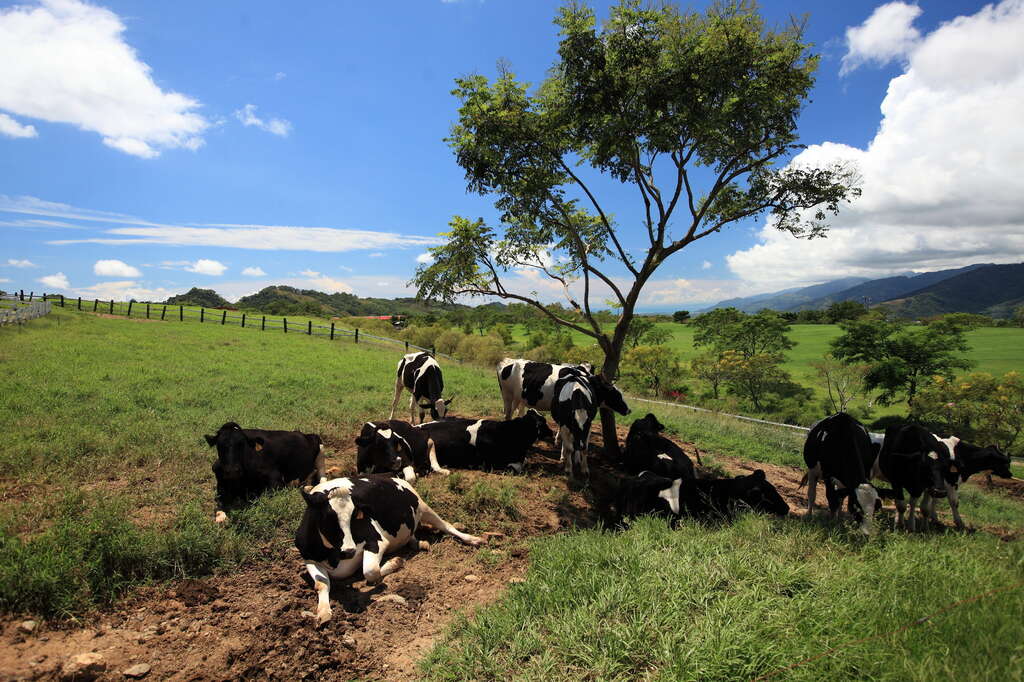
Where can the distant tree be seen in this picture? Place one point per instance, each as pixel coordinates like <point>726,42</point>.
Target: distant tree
<point>653,369</point>
<point>681,316</point>
<point>728,329</point>
<point>656,336</point>
<point>637,330</point>
<point>901,357</point>
<point>789,316</point>
<point>983,408</point>
<point>810,317</point>
<point>709,367</point>
<point>840,311</point>
<point>754,377</point>
<point>1018,315</point>
<point>693,110</point>
<point>843,382</point>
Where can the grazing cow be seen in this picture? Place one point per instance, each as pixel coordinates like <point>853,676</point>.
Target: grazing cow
<point>420,374</point>
<point>964,460</point>
<point>396,447</point>
<point>914,460</point>
<point>251,461</point>
<point>351,523</point>
<point>647,449</point>
<point>839,450</point>
<point>720,497</point>
<point>525,383</point>
<point>486,443</point>
<point>577,398</point>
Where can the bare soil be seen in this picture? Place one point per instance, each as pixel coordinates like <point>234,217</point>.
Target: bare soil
<point>256,623</point>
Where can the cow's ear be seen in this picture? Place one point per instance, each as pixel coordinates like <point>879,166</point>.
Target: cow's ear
<point>312,499</point>
<point>212,440</point>
<point>759,475</point>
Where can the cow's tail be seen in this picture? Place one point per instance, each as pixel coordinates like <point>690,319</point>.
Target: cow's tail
<point>803,482</point>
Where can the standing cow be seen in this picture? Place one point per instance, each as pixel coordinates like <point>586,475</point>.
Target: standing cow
<point>575,402</point>
<point>526,384</point>
<point>251,461</point>
<point>839,450</point>
<point>420,374</point>
<point>352,523</point>
<point>914,460</point>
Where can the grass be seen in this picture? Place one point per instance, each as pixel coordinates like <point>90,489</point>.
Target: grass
<point>743,600</point>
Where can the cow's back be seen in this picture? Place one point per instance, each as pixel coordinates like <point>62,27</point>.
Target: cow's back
<point>841,445</point>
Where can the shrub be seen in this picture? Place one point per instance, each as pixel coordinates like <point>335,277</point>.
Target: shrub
<point>448,342</point>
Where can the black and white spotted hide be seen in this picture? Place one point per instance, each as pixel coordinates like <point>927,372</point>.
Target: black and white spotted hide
<point>392,447</point>
<point>420,374</point>
<point>525,384</point>
<point>576,401</point>
<point>350,524</point>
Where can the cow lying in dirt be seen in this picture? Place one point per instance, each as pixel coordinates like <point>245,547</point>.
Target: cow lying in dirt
<point>351,523</point>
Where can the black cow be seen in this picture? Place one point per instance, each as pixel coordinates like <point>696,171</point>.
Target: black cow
<point>721,497</point>
<point>526,384</point>
<point>964,460</point>
<point>839,450</point>
<point>648,450</point>
<point>392,447</point>
<point>251,461</point>
<point>486,443</point>
<point>351,523</point>
<point>647,493</point>
<point>914,460</point>
<point>577,398</point>
<point>420,374</point>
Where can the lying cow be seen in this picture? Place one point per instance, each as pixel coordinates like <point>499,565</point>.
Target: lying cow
<point>526,384</point>
<point>420,374</point>
<point>914,460</point>
<point>577,398</point>
<point>964,460</point>
<point>647,449</point>
<point>350,524</point>
<point>485,443</point>
<point>839,450</point>
<point>251,461</point>
<point>395,447</point>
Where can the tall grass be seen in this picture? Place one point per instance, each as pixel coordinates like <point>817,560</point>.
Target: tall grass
<point>735,602</point>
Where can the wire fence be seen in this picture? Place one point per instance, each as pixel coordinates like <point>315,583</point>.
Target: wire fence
<point>180,313</point>
<point>16,312</point>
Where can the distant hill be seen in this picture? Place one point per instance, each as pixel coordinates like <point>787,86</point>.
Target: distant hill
<point>989,290</point>
<point>204,298</point>
<point>885,289</point>
<point>279,299</point>
<point>789,299</point>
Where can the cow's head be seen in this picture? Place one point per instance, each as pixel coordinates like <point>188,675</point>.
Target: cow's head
<point>438,409</point>
<point>864,504</point>
<point>755,491</point>
<point>970,459</point>
<point>543,431</point>
<point>607,395</point>
<point>379,450</point>
<point>648,424</point>
<point>332,514</point>
<point>232,447</point>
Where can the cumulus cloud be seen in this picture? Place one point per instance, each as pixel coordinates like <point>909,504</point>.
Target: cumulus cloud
<point>424,258</point>
<point>204,266</point>
<point>67,62</point>
<point>942,185</point>
<point>253,272</point>
<point>23,263</point>
<point>888,34</point>
<point>125,290</point>
<point>56,281</point>
<point>115,268</point>
<point>276,126</point>
<point>11,128</point>
<point>328,284</point>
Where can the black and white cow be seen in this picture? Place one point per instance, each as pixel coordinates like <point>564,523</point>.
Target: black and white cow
<point>647,493</point>
<point>351,523</point>
<point>576,400</point>
<point>486,443</point>
<point>420,374</point>
<point>722,497</point>
<point>251,461</point>
<point>964,460</point>
<point>396,447</point>
<point>647,449</point>
<point>839,450</point>
<point>526,384</point>
<point>914,460</point>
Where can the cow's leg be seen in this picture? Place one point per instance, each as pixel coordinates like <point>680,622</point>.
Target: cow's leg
<point>374,572</point>
<point>398,394</point>
<point>418,544</point>
<point>432,453</point>
<point>412,410</point>
<point>928,510</point>
<point>510,403</point>
<point>901,506</point>
<point>813,474</point>
<point>953,493</point>
<point>430,517</point>
<point>584,465</point>
<point>322,584</point>
<point>835,502</point>
<point>910,519</point>
<point>561,440</point>
<point>319,468</point>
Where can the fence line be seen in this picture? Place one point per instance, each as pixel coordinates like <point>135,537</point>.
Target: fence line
<point>180,313</point>
<point>723,414</point>
<point>19,313</point>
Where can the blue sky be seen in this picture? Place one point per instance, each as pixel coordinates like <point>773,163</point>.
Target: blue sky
<point>146,148</point>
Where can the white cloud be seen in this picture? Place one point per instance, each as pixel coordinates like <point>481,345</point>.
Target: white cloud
<point>25,263</point>
<point>345,268</point>
<point>941,179</point>
<point>376,254</point>
<point>56,281</point>
<point>424,258</point>
<point>280,76</point>
<point>888,34</point>
<point>11,128</point>
<point>115,268</point>
<point>67,62</point>
<point>253,272</point>
<point>706,265</point>
<point>4,279</point>
<point>328,284</point>
<point>309,273</point>
<point>277,126</point>
<point>204,266</point>
<point>125,291</point>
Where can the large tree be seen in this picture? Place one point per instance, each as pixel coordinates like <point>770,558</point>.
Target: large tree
<point>697,112</point>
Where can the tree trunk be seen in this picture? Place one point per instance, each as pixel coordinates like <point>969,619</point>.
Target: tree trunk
<point>610,369</point>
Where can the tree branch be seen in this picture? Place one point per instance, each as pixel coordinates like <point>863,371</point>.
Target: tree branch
<point>500,292</point>
<point>604,219</point>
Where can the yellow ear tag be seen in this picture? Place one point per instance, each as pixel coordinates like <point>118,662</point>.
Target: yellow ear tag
<point>258,447</point>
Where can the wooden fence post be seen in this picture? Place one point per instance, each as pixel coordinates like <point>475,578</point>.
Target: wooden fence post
<point>30,294</point>
<point>202,315</point>
<point>332,331</point>
<point>243,320</point>
<point>111,306</point>
<point>62,300</point>
<point>224,317</point>
<point>163,313</point>
<point>263,324</point>
<point>23,295</point>
<point>95,303</point>
<point>309,328</point>
<point>181,313</point>
<point>147,311</point>
<point>79,302</point>
<point>285,325</point>
<point>357,334</point>
<point>406,346</point>
<point>130,308</point>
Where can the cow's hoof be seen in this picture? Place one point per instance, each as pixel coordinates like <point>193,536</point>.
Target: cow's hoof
<point>220,517</point>
<point>322,616</point>
<point>372,578</point>
<point>475,541</point>
<point>424,545</point>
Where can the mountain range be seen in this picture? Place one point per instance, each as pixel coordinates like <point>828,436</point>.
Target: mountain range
<point>982,288</point>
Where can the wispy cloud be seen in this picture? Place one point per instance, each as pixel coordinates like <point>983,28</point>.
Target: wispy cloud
<point>706,265</point>
<point>11,128</point>
<point>24,263</point>
<point>255,271</point>
<point>276,126</point>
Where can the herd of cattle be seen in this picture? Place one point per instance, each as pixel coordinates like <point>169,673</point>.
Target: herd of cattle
<point>352,523</point>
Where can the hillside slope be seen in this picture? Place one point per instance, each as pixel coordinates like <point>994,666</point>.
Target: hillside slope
<point>887,288</point>
<point>279,299</point>
<point>989,290</point>
<point>789,299</point>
